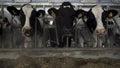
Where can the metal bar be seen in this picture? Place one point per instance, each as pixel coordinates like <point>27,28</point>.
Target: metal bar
<point>12,31</point>
<point>59,49</point>
<point>35,33</point>
<point>58,4</point>
<point>62,52</point>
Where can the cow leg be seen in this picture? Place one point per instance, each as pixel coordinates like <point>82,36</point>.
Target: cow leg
<point>80,39</point>
<point>53,40</point>
<point>69,41</point>
<point>98,41</point>
<point>45,37</point>
<point>39,42</point>
<point>60,37</point>
<point>81,42</point>
<point>64,41</point>
<point>95,41</point>
<point>27,42</point>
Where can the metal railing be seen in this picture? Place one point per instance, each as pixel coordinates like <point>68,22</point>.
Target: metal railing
<point>59,1</point>
<point>12,38</point>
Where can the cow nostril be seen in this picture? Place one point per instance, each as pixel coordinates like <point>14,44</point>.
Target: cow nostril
<point>110,23</point>
<point>104,31</point>
<point>27,32</point>
<point>101,32</point>
<point>97,31</point>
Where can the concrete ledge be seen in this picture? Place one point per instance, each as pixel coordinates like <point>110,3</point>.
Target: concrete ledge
<point>62,52</point>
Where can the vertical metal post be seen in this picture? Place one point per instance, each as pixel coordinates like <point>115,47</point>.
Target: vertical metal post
<point>12,33</point>
<point>2,13</point>
<point>56,33</point>
<point>35,33</point>
<point>35,41</point>
<point>67,40</point>
<point>43,37</point>
<point>98,41</point>
<point>106,39</point>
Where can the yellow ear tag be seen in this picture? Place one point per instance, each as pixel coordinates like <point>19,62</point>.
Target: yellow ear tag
<point>14,12</point>
<point>110,14</point>
<point>4,26</point>
<point>53,14</point>
<point>40,15</point>
<point>80,15</point>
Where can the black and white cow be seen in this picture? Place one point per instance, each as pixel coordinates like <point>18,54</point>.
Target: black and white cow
<point>4,22</point>
<point>29,19</point>
<point>64,17</point>
<point>5,29</point>
<point>95,20</point>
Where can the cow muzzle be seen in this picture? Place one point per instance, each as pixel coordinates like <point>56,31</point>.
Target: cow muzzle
<point>100,32</point>
<point>27,32</point>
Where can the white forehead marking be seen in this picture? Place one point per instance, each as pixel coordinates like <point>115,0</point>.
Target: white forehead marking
<point>27,9</point>
<point>97,11</point>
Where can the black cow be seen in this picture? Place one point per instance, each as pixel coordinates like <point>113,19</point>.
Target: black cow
<point>64,17</point>
<point>95,20</point>
<point>29,19</point>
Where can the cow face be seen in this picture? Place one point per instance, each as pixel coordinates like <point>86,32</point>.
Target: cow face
<point>53,12</point>
<point>66,9</point>
<point>27,17</point>
<point>95,19</point>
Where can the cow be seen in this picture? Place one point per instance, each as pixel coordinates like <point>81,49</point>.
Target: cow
<point>5,29</point>
<point>114,31</point>
<point>4,22</point>
<point>64,17</point>
<point>50,36</point>
<point>31,21</point>
<point>95,20</point>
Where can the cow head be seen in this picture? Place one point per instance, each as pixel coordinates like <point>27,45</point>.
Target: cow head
<point>96,18</point>
<point>27,17</point>
<point>53,13</point>
<point>63,15</point>
<point>66,9</point>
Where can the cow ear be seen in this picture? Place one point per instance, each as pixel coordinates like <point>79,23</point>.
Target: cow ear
<point>13,10</point>
<point>40,13</point>
<point>53,12</point>
<point>80,13</point>
<point>111,13</point>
